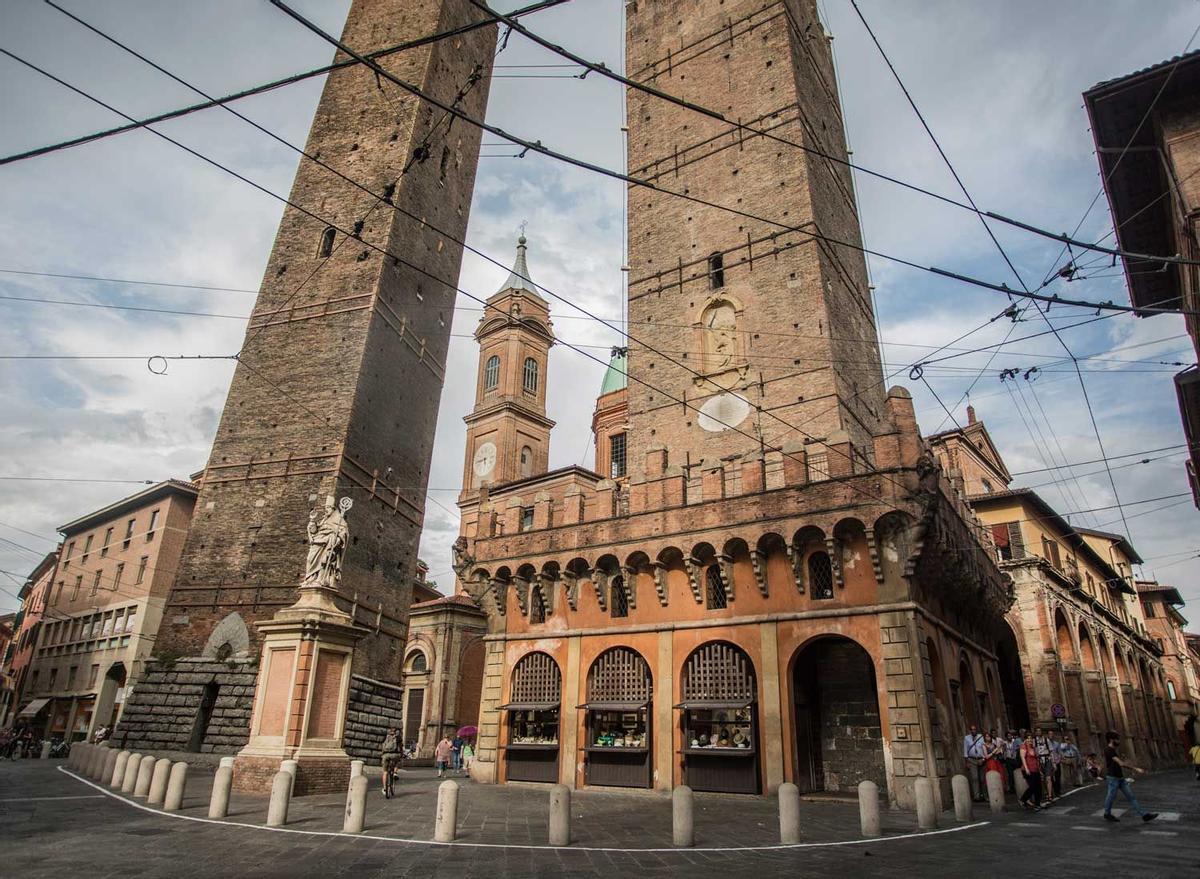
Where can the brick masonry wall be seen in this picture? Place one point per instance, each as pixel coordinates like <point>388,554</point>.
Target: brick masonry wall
<point>161,711</point>
<point>374,706</point>
<point>356,336</point>
<point>851,739</point>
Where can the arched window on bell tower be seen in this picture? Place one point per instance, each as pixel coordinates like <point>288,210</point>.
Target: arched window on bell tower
<point>491,373</point>
<point>526,461</point>
<point>529,379</point>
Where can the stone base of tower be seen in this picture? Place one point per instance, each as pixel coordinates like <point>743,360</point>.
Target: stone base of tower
<point>301,698</point>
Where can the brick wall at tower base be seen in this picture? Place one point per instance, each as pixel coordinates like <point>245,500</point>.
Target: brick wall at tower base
<point>255,775</point>
<point>850,730</point>
<point>162,709</point>
<point>374,707</point>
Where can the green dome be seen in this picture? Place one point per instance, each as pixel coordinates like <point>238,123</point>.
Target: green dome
<point>614,377</point>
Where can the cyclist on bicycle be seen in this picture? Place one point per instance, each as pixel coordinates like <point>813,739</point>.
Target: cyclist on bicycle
<point>390,760</point>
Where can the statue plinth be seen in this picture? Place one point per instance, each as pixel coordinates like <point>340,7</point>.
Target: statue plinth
<point>301,695</point>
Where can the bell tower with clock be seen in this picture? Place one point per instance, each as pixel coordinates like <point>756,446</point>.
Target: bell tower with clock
<point>508,433</point>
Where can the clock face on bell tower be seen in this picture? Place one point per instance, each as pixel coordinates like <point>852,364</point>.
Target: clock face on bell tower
<point>485,459</point>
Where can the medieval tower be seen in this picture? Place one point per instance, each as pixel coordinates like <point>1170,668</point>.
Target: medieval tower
<point>338,381</point>
<point>774,319</point>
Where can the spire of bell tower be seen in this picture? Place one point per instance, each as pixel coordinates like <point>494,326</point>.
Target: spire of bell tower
<point>518,278</point>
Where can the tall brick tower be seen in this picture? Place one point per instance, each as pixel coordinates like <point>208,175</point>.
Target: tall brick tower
<point>337,389</point>
<point>768,318</point>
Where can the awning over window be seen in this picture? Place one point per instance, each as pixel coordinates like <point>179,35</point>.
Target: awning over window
<point>34,708</point>
<point>709,704</point>
<point>613,706</point>
<point>529,706</point>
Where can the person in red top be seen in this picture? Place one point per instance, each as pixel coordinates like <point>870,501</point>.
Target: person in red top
<point>1031,766</point>
<point>442,754</point>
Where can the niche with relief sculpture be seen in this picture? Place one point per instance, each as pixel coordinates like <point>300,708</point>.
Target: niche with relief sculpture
<point>722,343</point>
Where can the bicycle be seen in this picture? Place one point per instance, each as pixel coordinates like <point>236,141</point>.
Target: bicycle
<point>391,762</point>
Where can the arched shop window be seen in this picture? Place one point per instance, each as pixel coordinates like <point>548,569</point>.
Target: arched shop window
<point>618,742</point>
<point>720,720</point>
<point>533,719</point>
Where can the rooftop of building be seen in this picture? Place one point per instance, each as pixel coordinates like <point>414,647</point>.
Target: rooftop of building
<point>519,277</point>
<point>1120,540</point>
<point>616,377</point>
<point>119,508</point>
<point>1125,131</point>
<point>458,600</point>
<point>1169,594</point>
<point>1070,533</point>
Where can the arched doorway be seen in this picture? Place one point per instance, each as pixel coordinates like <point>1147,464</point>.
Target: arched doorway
<point>618,744</point>
<point>203,715</point>
<point>941,699</point>
<point>108,703</point>
<point>720,720</point>
<point>533,719</point>
<point>838,737</point>
<point>967,695</point>
<point>1012,680</point>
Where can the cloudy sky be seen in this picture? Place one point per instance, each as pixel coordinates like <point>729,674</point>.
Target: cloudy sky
<point>999,84</point>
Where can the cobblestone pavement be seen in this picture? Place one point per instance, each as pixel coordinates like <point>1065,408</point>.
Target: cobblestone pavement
<point>56,824</point>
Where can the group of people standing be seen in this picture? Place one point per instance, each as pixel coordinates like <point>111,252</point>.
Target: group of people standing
<point>450,755</point>
<point>1045,762</point>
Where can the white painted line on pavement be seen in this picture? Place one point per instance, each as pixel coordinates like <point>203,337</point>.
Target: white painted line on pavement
<point>1089,829</point>
<point>1026,824</point>
<point>499,845</point>
<point>1168,816</point>
<point>1159,833</point>
<point>44,799</point>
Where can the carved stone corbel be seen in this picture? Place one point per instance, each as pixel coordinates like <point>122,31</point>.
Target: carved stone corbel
<point>522,587</point>
<point>629,584</point>
<point>694,568</point>
<point>500,595</point>
<point>873,548</point>
<point>834,549</point>
<point>758,561</point>
<point>796,559</point>
<point>571,588</point>
<point>549,594</point>
<point>660,582</point>
<point>600,584</point>
<point>725,567</point>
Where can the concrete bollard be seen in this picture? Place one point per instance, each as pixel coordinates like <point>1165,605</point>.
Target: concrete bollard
<point>683,827</point>
<point>281,794</point>
<point>145,773</point>
<point>131,772</point>
<point>218,805</point>
<point>45,750</point>
<point>868,809</point>
<point>995,787</point>
<point>158,781</point>
<point>84,760</point>
<point>176,784</point>
<point>74,754</point>
<point>292,768</point>
<point>560,815</point>
<point>789,813</point>
<point>927,818</point>
<point>109,767</point>
<point>97,768</point>
<point>961,788</point>
<point>226,761</point>
<point>356,805</point>
<point>1020,785</point>
<point>445,826</point>
<point>118,773</point>
<point>356,768</point>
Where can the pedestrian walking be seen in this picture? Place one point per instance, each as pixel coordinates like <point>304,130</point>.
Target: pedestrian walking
<point>1055,747</point>
<point>994,759</point>
<point>443,754</point>
<point>1041,746</point>
<point>468,756</point>
<point>389,761</point>
<point>975,755</point>
<point>1093,768</point>
<point>1031,766</point>
<point>456,753</point>
<point>1194,753</point>
<point>1114,771</point>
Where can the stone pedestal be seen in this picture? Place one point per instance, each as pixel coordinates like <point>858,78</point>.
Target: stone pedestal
<point>300,697</point>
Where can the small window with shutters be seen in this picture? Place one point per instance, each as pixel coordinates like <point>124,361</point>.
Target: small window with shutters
<point>716,271</point>
<point>1008,540</point>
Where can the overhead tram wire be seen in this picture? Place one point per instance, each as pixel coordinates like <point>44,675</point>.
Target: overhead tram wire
<point>537,146</point>
<point>1145,118</point>
<point>591,66</point>
<point>605,71</point>
<point>401,260</point>
<point>136,124</point>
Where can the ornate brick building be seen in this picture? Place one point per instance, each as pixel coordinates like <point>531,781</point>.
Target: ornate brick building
<point>337,385</point>
<point>1075,654</point>
<point>766,572</point>
<point>1164,622</point>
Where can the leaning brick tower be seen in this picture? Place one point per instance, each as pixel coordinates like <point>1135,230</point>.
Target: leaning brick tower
<point>754,314</point>
<point>337,387</point>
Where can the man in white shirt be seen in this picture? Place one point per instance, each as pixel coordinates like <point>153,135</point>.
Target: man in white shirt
<point>973,753</point>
